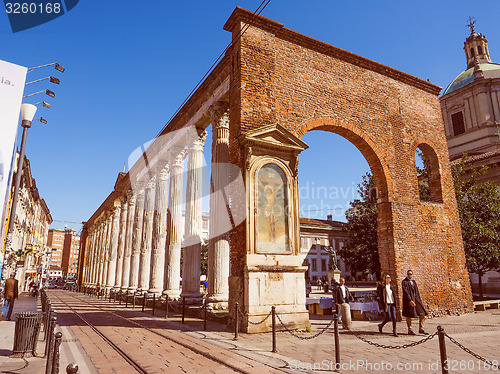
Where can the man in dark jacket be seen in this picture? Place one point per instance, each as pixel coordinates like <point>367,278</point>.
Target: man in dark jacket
<point>11,294</point>
<point>412,304</point>
<point>341,297</point>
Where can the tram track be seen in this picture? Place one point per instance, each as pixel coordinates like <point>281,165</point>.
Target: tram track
<point>127,357</point>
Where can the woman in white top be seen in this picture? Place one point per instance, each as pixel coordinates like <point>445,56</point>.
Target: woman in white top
<point>386,298</point>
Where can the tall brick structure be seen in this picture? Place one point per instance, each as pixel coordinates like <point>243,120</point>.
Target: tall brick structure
<point>281,76</point>
<point>272,86</point>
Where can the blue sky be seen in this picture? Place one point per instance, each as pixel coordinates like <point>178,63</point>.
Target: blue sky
<point>131,63</point>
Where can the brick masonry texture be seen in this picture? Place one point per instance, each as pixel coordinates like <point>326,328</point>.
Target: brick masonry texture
<point>280,76</point>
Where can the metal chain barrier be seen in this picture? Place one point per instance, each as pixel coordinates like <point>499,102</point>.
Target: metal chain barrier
<point>491,363</point>
<point>323,330</point>
<point>253,323</point>
<point>409,345</point>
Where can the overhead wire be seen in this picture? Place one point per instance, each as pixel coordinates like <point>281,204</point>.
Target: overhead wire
<point>256,13</point>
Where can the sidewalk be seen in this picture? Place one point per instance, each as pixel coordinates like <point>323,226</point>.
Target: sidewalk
<point>70,350</point>
<point>25,303</point>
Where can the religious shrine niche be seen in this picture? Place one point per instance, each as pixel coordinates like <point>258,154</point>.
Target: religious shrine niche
<point>273,271</point>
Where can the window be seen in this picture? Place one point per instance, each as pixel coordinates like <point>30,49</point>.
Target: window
<point>472,52</point>
<point>479,50</point>
<point>323,265</point>
<point>457,121</point>
<point>314,265</point>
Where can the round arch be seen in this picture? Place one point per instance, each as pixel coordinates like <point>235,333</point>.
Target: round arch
<point>361,141</point>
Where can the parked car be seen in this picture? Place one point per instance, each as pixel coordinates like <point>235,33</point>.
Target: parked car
<point>68,285</point>
<point>52,286</point>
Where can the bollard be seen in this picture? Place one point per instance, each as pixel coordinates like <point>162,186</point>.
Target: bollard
<point>126,300</point>
<point>236,322</point>
<point>183,308</point>
<point>166,302</point>
<point>442,350</point>
<point>154,302</point>
<point>49,345</point>
<point>120,298</point>
<point>205,315</point>
<point>273,311</point>
<point>143,302</point>
<point>72,368</point>
<point>337,341</point>
<point>55,356</point>
<point>133,301</point>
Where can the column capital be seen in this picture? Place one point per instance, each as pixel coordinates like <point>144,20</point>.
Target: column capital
<point>178,157</point>
<point>131,197</point>
<point>163,173</point>
<point>151,183</point>
<point>196,141</point>
<point>219,113</point>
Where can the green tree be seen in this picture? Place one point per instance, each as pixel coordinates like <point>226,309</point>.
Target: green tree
<point>424,190</point>
<point>479,210</point>
<point>360,253</point>
<point>204,257</point>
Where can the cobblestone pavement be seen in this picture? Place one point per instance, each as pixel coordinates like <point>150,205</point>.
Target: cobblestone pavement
<point>187,348</point>
<point>158,348</point>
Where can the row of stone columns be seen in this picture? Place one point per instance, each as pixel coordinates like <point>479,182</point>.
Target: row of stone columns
<point>136,245</point>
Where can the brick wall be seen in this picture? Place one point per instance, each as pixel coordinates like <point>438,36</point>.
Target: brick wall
<point>280,76</point>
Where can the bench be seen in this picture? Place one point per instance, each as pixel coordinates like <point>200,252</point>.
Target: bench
<point>481,305</point>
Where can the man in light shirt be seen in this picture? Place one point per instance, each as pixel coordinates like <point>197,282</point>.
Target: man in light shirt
<point>386,292</point>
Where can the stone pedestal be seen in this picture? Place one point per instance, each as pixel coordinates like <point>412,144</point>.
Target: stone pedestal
<point>333,274</point>
<point>266,284</point>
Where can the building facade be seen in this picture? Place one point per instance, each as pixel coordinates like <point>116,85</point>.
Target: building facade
<point>31,228</point>
<point>55,240</point>
<point>316,236</point>
<point>70,252</point>
<point>471,114</point>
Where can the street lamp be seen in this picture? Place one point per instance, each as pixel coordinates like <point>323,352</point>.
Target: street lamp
<point>28,112</point>
<point>47,92</point>
<point>56,66</point>
<point>51,78</point>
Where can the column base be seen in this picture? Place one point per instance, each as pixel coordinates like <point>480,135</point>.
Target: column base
<point>154,291</point>
<point>172,294</point>
<point>192,297</point>
<point>131,290</point>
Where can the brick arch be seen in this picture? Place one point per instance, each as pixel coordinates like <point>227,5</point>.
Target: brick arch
<point>365,145</point>
<point>435,177</point>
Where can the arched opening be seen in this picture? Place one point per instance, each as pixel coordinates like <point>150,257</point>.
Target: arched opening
<point>428,174</point>
<point>342,185</point>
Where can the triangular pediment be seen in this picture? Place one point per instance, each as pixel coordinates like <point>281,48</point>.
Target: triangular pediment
<point>274,135</point>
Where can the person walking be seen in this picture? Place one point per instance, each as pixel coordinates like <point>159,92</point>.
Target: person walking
<point>11,294</point>
<point>412,304</point>
<point>342,298</point>
<point>386,299</point>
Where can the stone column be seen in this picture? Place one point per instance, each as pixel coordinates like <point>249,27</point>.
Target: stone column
<point>113,244</point>
<point>107,245</point>
<point>99,253</point>
<point>147,234</point>
<point>173,258</point>
<point>136,241</point>
<point>121,243</point>
<point>191,266</point>
<point>89,263</point>
<point>218,253</point>
<point>127,252</point>
<point>103,256</point>
<point>95,257</point>
<point>159,232</point>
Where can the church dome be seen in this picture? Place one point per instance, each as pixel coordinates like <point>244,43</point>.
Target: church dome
<point>489,70</point>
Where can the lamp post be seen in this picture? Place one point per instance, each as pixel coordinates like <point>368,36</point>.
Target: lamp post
<point>28,112</point>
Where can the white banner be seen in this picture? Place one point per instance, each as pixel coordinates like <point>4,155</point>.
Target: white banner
<point>12,80</point>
